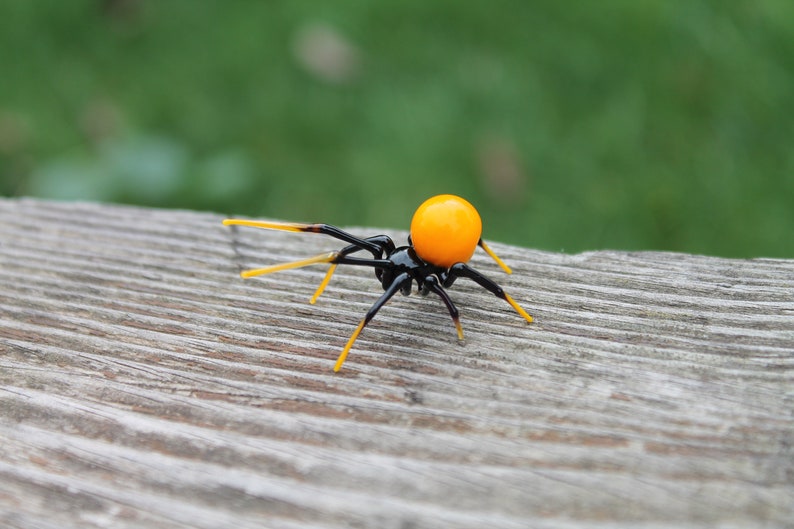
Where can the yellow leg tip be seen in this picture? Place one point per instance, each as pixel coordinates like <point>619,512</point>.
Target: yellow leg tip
<point>459,329</point>
<point>343,354</point>
<point>322,258</point>
<point>490,252</point>
<point>284,226</point>
<point>518,309</point>
<point>340,361</point>
<point>323,284</point>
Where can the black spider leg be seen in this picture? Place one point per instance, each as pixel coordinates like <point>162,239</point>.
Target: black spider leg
<point>385,244</point>
<point>361,261</point>
<point>400,282</point>
<point>431,284</point>
<point>463,270</point>
<point>341,257</point>
<point>375,245</point>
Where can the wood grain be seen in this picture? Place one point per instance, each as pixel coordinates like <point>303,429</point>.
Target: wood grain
<point>144,384</point>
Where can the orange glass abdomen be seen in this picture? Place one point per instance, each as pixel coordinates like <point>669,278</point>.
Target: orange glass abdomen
<point>445,230</point>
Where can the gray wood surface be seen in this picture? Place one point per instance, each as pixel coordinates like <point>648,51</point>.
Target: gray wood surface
<point>144,384</point>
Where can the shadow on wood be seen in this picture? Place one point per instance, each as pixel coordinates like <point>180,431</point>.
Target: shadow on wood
<point>144,384</point>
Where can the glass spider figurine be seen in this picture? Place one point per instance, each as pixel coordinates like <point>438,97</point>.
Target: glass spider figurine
<point>445,231</point>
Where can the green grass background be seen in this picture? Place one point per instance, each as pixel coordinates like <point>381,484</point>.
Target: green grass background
<point>661,124</point>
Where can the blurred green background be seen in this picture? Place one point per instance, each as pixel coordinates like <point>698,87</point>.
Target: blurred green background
<point>661,124</point>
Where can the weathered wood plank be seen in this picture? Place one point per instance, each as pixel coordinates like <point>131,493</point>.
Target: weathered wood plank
<point>143,384</point>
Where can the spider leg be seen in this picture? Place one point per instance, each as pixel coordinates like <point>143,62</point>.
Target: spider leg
<point>490,252</point>
<point>431,284</point>
<point>334,258</point>
<point>383,240</point>
<point>396,286</point>
<point>463,270</point>
<point>375,247</point>
<point>322,258</point>
<point>360,261</point>
<point>341,258</point>
<point>323,284</point>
